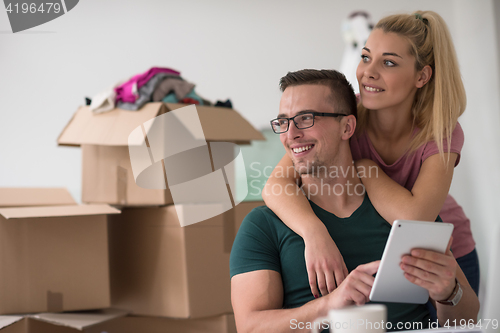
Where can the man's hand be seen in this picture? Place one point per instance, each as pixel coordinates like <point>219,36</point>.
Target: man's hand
<point>431,270</point>
<point>325,265</point>
<point>356,288</point>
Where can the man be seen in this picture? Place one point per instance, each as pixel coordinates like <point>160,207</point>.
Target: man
<point>270,288</point>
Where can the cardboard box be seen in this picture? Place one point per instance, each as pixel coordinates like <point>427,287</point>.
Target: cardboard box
<point>72,323</point>
<point>87,322</point>
<point>131,324</point>
<point>158,268</point>
<point>54,258</point>
<point>23,197</point>
<point>104,138</point>
<point>107,178</point>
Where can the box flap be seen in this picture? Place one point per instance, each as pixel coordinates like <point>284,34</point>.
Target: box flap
<point>53,211</point>
<point>223,124</point>
<point>9,320</point>
<point>19,197</point>
<point>113,128</point>
<point>109,129</point>
<point>80,320</point>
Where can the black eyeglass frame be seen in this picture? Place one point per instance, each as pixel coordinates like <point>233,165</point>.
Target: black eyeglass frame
<point>314,114</point>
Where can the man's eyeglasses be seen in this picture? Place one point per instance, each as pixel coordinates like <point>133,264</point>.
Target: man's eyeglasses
<point>301,121</point>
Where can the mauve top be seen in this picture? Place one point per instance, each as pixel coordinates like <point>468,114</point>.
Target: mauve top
<point>405,172</point>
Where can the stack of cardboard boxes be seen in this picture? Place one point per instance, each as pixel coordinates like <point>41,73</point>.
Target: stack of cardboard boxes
<point>169,278</point>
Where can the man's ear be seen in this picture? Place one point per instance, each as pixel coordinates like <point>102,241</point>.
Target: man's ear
<point>349,126</point>
<point>424,76</point>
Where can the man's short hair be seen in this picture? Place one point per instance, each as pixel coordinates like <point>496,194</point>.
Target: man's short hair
<point>342,94</point>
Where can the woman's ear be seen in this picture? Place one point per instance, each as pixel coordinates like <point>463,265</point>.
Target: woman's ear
<point>349,126</point>
<point>424,76</point>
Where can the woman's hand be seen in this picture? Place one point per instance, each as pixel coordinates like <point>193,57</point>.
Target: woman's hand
<point>325,265</point>
<point>431,270</point>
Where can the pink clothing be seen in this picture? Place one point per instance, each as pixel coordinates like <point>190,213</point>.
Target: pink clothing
<point>129,91</point>
<point>405,172</point>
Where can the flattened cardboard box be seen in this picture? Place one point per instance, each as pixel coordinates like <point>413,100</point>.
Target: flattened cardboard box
<point>24,197</point>
<point>54,258</point>
<point>77,322</point>
<point>131,324</point>
<point>106,169</point>
<point>158,268</point>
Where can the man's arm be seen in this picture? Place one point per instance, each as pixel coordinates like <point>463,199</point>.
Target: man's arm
<point>257,299</point>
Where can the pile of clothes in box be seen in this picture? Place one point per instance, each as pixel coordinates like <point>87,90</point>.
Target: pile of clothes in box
<point>157,84</point>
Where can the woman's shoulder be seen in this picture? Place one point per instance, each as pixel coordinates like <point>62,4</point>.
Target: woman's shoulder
<point>458,134</point>
<point>457,141</point>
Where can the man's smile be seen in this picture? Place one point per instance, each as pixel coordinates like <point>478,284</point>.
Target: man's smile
<point>301,149</point>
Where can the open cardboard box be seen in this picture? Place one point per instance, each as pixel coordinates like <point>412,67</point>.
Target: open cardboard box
<point>53,258</point>
<point>24,197</point>
<point>107,173</point>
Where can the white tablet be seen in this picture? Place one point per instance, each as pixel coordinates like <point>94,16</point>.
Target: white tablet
<point>390,284</point>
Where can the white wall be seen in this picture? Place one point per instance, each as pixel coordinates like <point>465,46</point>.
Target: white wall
<point>496,15</point>
<point>476,181</point>
<point>230,49</point>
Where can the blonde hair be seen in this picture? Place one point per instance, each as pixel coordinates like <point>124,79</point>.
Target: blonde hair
<point>440,102</point>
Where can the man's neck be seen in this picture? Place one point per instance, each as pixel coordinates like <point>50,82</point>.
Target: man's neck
<point>338,190</point>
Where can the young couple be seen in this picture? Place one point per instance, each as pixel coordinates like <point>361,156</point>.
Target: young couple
<point>406,126</point>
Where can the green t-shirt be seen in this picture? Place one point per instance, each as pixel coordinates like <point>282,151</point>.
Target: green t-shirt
<point>264,242</point>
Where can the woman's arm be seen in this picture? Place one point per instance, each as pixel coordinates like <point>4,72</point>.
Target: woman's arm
<point>325,266</point>
<point>282,194</point>
<point>424,202</point>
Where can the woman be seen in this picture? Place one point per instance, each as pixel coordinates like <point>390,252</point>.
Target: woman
<point>411,97</point>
